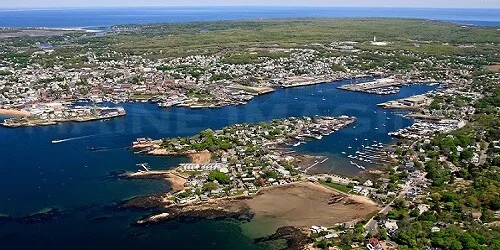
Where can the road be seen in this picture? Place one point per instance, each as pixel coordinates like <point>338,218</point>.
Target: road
<point>371,225</point>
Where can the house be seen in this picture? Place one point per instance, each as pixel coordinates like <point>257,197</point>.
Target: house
<point>373,244</point>
<point>422,208</point>
<point>368,183</point>
<point>391,226</point>
<point>349,224</point>
<point>317,229</point>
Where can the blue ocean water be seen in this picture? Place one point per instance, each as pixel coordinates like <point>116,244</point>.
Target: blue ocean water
<point>35,174</point>
<point>79,18</point>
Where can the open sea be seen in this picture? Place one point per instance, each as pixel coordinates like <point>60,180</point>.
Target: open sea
<point>36,174</point>
<point>99,17</point>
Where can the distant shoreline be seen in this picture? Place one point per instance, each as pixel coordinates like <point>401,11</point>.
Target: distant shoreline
<point>14,17</point>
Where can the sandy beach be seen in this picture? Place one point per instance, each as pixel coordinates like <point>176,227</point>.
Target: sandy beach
<point>14,113</point>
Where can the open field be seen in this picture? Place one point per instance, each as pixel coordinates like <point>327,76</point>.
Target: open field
<point>11,33</point>
<point>493,68</point>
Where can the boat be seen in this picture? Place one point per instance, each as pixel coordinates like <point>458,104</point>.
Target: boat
<point>145,166</point>
<point>93,149</point>
<point>343,153</point>
<point>57,141</point>
<point>355,139</point>
<point>297,144</point>
<point>349,147</point>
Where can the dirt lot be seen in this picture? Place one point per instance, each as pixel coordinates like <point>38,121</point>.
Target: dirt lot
<point>306,204</point>
<point>493,68</point>
<point>202,157</point>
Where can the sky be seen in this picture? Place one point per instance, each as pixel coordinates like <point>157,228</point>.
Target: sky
<point>332,3</point>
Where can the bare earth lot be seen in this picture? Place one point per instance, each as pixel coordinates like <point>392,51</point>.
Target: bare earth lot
<point>306,204</point>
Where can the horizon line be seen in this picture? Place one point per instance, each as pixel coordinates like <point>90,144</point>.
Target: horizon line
<point>235,6</point>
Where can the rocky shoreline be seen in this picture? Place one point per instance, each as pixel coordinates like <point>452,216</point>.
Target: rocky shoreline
<point>38,217</point>
<point>295,238</point>
<point>233,208</point>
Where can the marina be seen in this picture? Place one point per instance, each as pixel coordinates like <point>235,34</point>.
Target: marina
<point>382,86</point>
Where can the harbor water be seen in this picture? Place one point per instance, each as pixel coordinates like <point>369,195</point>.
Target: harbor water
<point>36,174</point>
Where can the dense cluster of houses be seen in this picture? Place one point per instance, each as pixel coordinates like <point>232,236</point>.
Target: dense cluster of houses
<point>199,80</point>
<point>249,156</point>
<point>55,112</point>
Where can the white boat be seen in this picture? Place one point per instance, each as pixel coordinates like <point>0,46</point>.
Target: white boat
<point>349,147</point>
<point>297,144</point>
<point>343,153</point>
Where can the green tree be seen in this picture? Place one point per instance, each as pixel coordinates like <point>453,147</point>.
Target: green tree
<point>220,177</point>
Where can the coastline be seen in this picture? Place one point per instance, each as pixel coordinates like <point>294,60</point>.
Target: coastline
<point>288,211</point>
<point>287,205</point>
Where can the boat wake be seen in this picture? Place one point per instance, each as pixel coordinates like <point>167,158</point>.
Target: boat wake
<point>71,139</point>
<point>83,137</point>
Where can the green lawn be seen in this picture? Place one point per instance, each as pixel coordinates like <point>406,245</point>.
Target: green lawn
<point>340,187</point>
